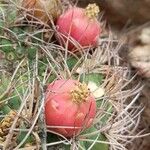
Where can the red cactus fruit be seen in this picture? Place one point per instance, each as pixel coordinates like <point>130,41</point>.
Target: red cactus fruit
<point>80,25</point>
<point>69,106</point>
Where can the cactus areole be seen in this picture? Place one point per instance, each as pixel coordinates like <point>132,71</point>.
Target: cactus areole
<point>69,107</point>
<point>79,27</point>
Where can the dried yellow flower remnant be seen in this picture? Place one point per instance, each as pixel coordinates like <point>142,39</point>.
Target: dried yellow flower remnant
<point>92,11</point>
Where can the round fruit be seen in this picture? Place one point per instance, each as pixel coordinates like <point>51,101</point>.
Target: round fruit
<point>69,108</point>
<point>79,26</point>
<point>43,10</point>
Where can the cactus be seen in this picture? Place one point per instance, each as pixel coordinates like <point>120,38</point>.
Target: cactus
<point>33,59</point>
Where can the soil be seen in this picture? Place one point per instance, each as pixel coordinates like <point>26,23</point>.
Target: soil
<point>123,12</point>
